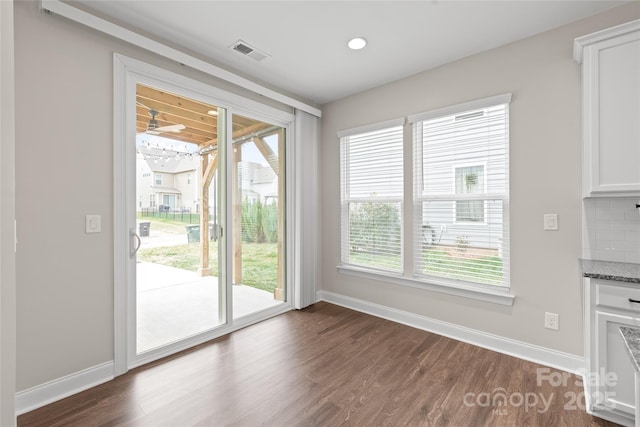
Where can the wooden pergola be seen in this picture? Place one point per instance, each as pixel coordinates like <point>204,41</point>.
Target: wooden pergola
<point>200,127</point>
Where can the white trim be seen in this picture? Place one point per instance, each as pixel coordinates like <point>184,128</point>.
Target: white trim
<point>505,98</point>
<point>522,350</point>
<point>371,127</point>
<point>480,292</point>
<point>121,269</point>
<point>581,42</point>
<point>52,391</point>
<point>151,45</point>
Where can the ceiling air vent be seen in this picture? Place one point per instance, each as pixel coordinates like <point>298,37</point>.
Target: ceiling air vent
<point>250,51</point>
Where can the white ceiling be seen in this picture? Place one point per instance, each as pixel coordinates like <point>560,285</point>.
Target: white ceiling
<point>306,40</point>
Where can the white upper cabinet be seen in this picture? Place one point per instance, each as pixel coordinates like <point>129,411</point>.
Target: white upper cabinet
<point>611,110</point>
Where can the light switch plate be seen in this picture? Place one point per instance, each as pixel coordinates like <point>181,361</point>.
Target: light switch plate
<point>92,224</point>
<point>551,222</point>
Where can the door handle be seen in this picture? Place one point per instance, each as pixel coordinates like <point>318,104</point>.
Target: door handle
<point>134,248</point>
<point>634,300</point>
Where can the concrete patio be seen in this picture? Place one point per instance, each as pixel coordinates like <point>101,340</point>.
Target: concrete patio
<point>173,304</point>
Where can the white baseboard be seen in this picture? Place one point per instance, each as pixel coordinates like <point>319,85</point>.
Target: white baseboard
<point>522,350</point>
<point>43,394</point>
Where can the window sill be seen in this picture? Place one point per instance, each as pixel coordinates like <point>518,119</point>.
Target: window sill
<point>497,296</point>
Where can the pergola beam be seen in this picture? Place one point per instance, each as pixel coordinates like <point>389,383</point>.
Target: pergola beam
<point>211,170</point>
<point>211,145</point>
<point>267,153</point>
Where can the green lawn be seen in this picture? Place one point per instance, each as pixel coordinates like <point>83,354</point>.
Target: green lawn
<point>437,262</point>
<point>259,261</point>
<point>387,262</point>
<point>170,218</point>
<point>164,226</point>
<point>486,270</point>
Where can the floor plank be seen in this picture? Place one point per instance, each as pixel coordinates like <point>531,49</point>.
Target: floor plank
<point>326,366</point>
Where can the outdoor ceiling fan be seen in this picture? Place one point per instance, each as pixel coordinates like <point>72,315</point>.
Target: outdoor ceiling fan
<point>154,129</point>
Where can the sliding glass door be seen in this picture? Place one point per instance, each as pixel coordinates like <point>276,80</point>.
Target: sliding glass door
<point>207,221</point>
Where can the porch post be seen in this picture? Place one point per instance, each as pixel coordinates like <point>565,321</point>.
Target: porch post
<point>278,292</point>
<point>204,269</point>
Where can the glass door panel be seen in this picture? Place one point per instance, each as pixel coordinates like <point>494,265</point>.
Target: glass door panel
<point>258,212</point>
<point>178,290</point>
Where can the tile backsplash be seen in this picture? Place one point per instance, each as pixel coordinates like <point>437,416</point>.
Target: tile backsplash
<point>611,229</point>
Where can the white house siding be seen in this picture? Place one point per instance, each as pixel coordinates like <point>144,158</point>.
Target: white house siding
<point>258,182</point>
<point>185,182</point>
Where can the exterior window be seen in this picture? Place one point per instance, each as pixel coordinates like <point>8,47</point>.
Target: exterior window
<point>371,172</point>
<point>152,200</point>
<point>459,235</point>
<point>461,195</point>
<point>188,178</point>
<point>158,179</point>
<point>469,180</point>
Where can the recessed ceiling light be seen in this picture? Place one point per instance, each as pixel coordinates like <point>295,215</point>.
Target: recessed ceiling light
<point>212,112</point>
<point>357,43</point>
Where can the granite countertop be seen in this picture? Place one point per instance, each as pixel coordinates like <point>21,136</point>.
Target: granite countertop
<point>609,270</point>
<point>631,337</point>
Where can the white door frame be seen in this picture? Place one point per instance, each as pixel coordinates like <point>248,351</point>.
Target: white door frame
<point>128,73</point>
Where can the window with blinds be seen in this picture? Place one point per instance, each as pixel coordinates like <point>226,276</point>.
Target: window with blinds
<point>461,204</point>
<point>371,183</point>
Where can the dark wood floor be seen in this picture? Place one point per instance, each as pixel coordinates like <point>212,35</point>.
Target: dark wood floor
<point>326,366</point>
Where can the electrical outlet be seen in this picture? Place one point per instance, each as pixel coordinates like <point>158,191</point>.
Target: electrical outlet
<point>551,321</point>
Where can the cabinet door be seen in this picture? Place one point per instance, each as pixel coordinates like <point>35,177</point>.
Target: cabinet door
<point>612,129</point>
<point>615,377</point>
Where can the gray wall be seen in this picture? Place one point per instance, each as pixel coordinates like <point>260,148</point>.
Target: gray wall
<point>7,216</point>
<point>545,122</point>
<point>64,170</point>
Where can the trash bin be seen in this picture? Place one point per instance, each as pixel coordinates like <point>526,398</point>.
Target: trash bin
<point>144,229</point>
<point>193,233</point>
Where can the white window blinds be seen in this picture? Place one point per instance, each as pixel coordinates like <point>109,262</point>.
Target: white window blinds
<point>371,181</point>
<point>461,220</point>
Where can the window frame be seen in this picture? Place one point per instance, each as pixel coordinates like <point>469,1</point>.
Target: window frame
<point>498,294</point>
<point>455,220</point>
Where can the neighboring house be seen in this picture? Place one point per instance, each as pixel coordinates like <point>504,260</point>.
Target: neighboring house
<point>174,183</point>
<point>258,183</point>
<point>171,183</point>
